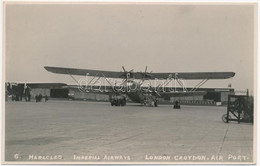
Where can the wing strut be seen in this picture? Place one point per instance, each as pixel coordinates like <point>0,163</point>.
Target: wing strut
<point>94,78</point>
<point>72,77</point>
<point>109,83</point>
<point>165,83</point>
<point>199,85</point>
<point>182,84</point>
<point>95,81</point>
<point>78,84</point>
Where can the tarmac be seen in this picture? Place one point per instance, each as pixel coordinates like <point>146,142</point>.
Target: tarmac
<point>96,132</point>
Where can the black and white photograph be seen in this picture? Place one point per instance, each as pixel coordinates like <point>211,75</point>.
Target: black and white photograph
<point>129,83</point>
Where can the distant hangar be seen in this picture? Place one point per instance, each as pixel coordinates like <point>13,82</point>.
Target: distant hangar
<point>214,96</point>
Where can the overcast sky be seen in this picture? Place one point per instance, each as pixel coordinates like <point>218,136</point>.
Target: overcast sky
<point>166,38</point>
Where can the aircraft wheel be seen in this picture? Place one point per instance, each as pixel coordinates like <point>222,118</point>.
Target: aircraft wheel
<point>224,118</point>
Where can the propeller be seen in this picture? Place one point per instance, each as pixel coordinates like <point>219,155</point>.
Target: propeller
<point>127,76</point>
<point>125,73</point>
<point>145,75</point>
<point>124,68</point>
<point>131,71</point>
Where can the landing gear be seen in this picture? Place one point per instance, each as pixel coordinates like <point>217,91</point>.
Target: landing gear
<point>118,100</point>
<point>176,105</point>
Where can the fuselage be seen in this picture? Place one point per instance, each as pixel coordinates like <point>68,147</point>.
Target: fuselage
<point>134,92</point>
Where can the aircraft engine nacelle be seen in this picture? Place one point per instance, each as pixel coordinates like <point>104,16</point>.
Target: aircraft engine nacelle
<point>132,86</point>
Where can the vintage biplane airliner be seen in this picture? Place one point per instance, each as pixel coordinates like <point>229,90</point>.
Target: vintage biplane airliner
<point>132,83</point>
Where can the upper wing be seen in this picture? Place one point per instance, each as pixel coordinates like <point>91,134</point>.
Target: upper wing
<point>141,75</point>
<point>84,72</point>
<point>195,75</point>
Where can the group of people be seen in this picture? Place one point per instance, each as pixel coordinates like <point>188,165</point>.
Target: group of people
<point>19,91</point>
<point>39,97</point>
<point>150,100</point>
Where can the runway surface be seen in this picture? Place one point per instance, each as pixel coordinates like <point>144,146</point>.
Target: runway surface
<point>80,131</point>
